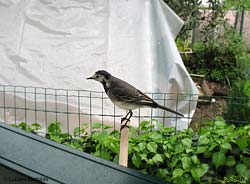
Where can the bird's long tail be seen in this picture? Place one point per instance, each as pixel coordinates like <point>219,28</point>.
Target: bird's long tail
<point>170,110</point>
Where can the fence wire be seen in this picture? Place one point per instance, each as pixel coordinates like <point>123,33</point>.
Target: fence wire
<point>74,107</point>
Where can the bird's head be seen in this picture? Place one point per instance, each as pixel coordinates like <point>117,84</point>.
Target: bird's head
<point>101,76</point>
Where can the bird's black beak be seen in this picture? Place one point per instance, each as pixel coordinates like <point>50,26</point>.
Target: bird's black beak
<point>90,78</point>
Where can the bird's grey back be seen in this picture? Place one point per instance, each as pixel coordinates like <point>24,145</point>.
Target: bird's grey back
<point>121,90</point>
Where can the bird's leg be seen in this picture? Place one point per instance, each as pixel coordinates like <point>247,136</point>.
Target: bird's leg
<point>127,118</point>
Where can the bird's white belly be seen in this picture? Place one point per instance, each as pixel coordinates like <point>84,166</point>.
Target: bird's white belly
<point>126,106</point>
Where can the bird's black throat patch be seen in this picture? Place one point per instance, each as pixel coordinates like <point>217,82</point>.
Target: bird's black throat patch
<point>105,86</point>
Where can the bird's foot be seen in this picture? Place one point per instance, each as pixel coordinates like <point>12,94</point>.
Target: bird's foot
<point>124,119</point>
<point>123,126</point>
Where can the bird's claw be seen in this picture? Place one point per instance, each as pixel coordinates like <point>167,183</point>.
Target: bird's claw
<point>123,126</point>
<point>126,119</point>
<point>123,119</point>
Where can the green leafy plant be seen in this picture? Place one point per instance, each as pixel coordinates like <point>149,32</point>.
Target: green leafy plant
<point>218,58</point>
<point>221,150</point>
<point>239,5</point>
<point>238,105</point>
<point>34,127</point>
<point>216,55</point>
<point>183,45</point>
<point>247,88</point>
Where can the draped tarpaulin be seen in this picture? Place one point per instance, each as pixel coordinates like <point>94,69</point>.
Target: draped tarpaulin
<point>57,44</point>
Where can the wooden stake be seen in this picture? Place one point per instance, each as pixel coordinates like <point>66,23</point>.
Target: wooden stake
<point>123,157</point>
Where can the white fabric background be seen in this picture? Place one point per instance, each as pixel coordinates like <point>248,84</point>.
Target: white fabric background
<point>57,44</point>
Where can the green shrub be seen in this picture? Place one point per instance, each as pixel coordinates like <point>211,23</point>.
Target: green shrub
<point>220,151</point>
<point>244,66</point>
<point>247,88</point>
<point>217,58</point>
<point>238,104</point>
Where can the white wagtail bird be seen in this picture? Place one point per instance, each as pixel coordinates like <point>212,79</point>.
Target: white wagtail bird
<point>126,96</point>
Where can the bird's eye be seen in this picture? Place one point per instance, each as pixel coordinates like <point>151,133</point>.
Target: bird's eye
<point>97,76</point>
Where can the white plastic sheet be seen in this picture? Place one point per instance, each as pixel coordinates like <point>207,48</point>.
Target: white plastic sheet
<point>57,44</point>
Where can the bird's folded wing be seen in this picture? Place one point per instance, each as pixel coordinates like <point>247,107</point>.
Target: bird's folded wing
<point>132,96</point>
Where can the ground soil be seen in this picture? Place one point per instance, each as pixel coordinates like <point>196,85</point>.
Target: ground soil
<point>210,106</point>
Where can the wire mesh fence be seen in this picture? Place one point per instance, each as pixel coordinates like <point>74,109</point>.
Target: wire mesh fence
<point>72,108</point>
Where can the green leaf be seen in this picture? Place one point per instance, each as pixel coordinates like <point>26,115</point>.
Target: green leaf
<point>246,160</point>
<point>136,160</point>
<point>150,162</point>
<point>221,132</point>
<point>114,147</point>
<point>218,159</point>
<point>212,146</point>
<point>162,173</point>
<point>230,161</point>
<point>103,154</point>
<point>144,156</point>
<point>186,162</point>
<point>160,126</point>
<point>174,161</point>
<point>169,130</point>
<point>99,136</point>
<point>241,169</point>
<point>199,171</point>
<point>158,158</point>
<point>76,144</point>
<point>179,148</point>
<point>242,142</point>
<point>23,126</point>
<point>152,147</point>
<point>105,127</point>
<point>155,136</point>
<point>177,173</point>
<point>96,125</point>
<point>247,88</point>
<point>220,123</point>
<point>201,149</point>
<point>142,146</point>
<point>136,148</point>
<point>184,179</point>
<point>55,138</point>
<point>203,140</point>
<point>168,155</point>
<point>114,133</point>
<point>35,126</point>
<point>246,127</point>
<point>187,142</point>
<point>77,131</point>
<point>195,159</point>
<point>189,150</point>
<point>54,128</point>
<point>226,146</point>
<point>144,125</point>
<point>64,135</point>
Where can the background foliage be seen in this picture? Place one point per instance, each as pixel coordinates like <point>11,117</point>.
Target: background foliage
<point>220,54</point>
<point>216,54</point>
<point>217,58</point>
